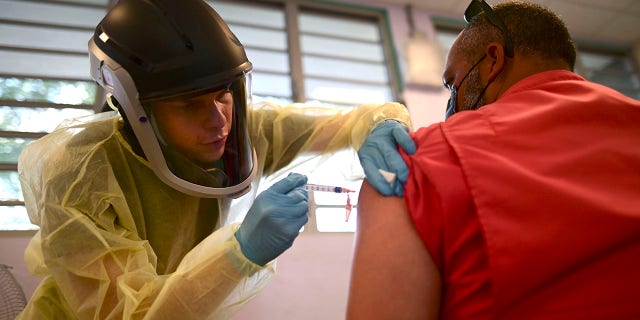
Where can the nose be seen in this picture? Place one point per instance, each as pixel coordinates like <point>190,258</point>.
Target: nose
<point>215,117</point>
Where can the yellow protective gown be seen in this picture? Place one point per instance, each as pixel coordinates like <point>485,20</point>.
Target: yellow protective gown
<point>117,243</point>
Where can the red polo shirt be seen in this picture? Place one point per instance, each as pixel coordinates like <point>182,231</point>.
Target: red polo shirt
<point>530,206</point>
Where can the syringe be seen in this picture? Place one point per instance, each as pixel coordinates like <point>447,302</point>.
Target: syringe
<point>322,188</point>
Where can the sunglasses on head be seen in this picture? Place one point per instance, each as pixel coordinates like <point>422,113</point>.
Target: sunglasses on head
<point>478,6</point>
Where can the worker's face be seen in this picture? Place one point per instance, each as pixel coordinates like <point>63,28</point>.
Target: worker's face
<point>197,127</point>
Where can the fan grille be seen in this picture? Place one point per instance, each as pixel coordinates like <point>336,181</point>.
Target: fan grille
<point>12,299</point>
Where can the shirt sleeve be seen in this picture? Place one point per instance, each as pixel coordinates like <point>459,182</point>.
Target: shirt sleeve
<point>435,189</point>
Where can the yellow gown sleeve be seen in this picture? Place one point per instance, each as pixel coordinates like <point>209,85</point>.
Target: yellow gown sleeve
<point>281,133</point>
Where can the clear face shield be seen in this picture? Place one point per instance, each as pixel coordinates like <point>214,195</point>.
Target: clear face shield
<point>204,138</point>
<point>198,143</point>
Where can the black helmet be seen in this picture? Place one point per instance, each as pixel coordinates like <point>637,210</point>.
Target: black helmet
<point>146,51</point>
<point>171,47</point>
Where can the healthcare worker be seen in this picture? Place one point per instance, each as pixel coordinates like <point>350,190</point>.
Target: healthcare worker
<point>142,211</point>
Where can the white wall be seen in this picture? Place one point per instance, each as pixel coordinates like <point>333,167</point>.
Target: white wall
<point>313,276</point>
<point>425,103</point>
<point>311,282</point>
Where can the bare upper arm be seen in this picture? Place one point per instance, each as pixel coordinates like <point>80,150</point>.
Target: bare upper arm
<point>393,275</point>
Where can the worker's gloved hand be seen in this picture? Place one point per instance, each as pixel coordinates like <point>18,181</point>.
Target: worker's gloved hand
<point>380,151</point>
<point>274,220</point>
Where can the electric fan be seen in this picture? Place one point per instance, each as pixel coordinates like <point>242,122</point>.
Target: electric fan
<point>12,299</point>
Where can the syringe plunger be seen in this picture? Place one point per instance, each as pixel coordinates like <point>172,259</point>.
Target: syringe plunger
<point>322,188</point>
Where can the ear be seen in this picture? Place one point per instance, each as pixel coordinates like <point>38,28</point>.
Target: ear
<point>495,51</point>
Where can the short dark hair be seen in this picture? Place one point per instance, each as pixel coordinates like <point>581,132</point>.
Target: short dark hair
<point>533,29</point>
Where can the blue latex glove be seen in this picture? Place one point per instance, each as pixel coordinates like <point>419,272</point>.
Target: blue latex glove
<point>380,151</point>
<point>274,220</point>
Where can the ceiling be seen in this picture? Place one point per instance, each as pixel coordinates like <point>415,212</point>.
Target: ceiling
<point>612,21</point>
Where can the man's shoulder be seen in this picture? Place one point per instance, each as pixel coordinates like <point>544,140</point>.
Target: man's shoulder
<point>428,134</point>
<point>432,145</point>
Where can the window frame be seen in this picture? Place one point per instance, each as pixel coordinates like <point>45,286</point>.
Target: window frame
<point>615,51</point>
<point>293,10</point>
<point>99,93</point>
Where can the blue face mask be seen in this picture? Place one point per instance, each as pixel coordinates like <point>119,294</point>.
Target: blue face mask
<point>452,103</point>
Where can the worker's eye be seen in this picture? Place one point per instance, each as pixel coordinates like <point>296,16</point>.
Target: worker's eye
<point>224,97</point>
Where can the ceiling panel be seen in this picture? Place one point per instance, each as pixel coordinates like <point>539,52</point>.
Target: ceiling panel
<point>634,8</point>
<point>609,21</point>
<point>583,20</point>
<point>605,5</point>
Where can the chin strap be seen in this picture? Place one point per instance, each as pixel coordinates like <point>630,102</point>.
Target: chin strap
<point>110,102</point>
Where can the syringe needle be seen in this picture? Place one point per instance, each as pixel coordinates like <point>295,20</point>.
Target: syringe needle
<point>348,207</point>
<point>322,188</point>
